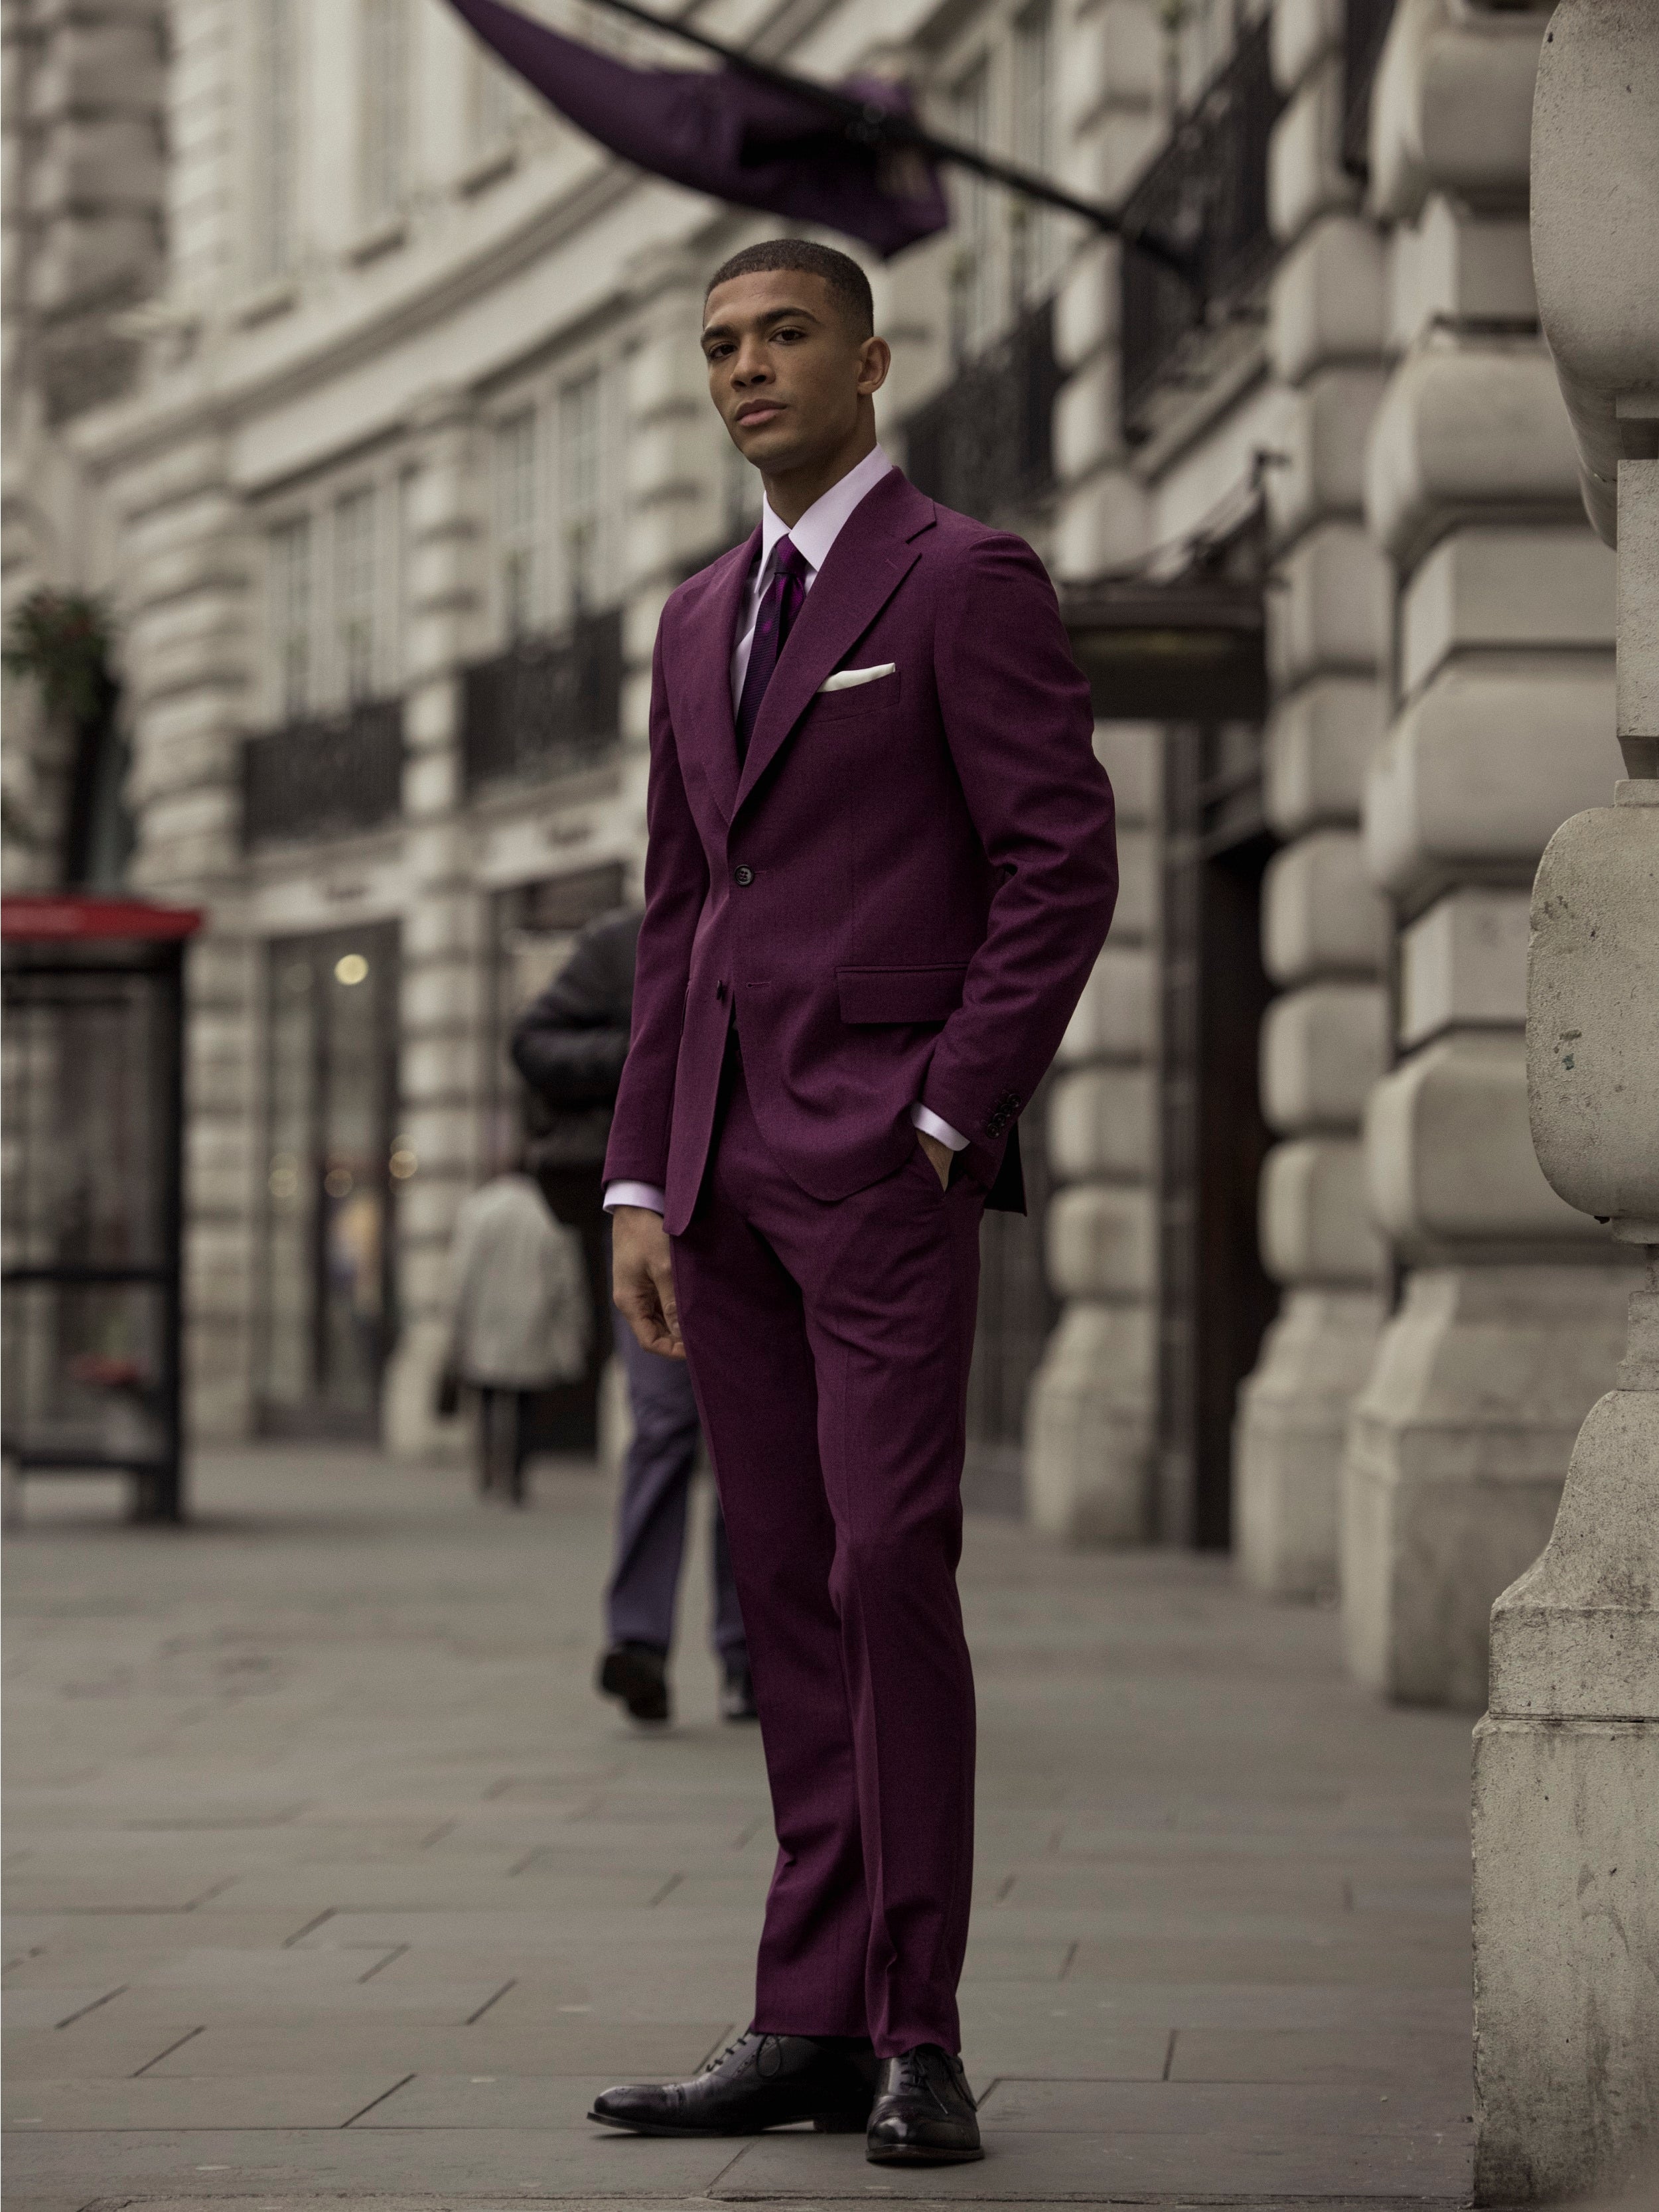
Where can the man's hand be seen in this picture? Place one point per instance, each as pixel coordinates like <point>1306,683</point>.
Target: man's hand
<point>642,1279</point>
<point>940,1155</point>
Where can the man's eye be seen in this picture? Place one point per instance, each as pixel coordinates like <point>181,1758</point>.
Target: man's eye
<point>788,335</point>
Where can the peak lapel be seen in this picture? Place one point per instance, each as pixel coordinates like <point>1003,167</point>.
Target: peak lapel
<point>708,686</point>
<point>864,568</point>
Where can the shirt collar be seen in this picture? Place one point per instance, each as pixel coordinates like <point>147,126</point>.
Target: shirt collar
<point>819,527</point>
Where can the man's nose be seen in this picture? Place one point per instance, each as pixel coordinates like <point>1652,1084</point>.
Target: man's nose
<point>751,366</point>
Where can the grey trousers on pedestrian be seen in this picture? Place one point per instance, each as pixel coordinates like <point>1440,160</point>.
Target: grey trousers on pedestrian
<point>644,1585</point>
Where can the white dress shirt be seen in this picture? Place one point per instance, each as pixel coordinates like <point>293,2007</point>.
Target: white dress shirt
<point>811,538</point>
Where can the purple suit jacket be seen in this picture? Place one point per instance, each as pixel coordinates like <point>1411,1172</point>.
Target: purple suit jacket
<point>900,894</point>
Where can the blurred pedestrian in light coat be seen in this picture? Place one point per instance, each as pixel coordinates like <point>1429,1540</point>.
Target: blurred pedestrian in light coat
<point>521,1316</point>
<point>569,1046</point>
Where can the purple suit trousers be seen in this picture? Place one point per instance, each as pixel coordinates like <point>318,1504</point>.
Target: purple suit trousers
<point>829,1343</point>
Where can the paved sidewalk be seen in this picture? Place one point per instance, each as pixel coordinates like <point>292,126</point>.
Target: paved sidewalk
<point>331,1881</point>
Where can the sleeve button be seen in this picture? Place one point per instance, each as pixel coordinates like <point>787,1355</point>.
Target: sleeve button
<point>743,877</point>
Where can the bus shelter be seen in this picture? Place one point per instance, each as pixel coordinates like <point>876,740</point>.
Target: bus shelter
<point>90,1250</point>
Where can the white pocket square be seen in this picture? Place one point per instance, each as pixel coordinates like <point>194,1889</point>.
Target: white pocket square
<point>845,679</point>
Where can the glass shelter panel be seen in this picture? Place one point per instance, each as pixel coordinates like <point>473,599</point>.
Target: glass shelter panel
<point>331,1099</point>
<point>90,1244</point>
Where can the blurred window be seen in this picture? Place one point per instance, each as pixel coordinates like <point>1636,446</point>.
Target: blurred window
<point>580,469</point>
<point>517,521</point>
<point>290,597</point>
<point>403,582</point>
<point>385,51</point>
<point>972,273</point>
<point>354,593</point>
<point>276,122</point>
<point>1034,233</point>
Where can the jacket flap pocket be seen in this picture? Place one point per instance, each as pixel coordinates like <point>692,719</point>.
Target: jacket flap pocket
<point>900,995</point>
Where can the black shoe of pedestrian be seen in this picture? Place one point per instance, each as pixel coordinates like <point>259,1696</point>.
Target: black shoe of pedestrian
<point>760,2081</point>
<point>738,1692</point>
<point>924,2113</point>
<point>638,1674</point>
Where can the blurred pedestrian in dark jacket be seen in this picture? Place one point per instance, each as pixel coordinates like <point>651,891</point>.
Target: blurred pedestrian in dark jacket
<point>570,1045</point>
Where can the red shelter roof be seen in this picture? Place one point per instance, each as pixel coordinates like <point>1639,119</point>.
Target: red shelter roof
<point>55,916</point>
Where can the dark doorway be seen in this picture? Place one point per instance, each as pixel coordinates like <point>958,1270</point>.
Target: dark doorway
<point>334,1158</point>
<point>1016,1310</point>
<point>1215,1299</point>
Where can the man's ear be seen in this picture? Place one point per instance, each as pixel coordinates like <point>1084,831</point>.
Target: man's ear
<point>876,358</point>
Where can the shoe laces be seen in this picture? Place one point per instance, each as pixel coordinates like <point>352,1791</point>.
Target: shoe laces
<point>737,2044</point>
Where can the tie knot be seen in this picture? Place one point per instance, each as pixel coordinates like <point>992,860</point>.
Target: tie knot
<point>789,560</point>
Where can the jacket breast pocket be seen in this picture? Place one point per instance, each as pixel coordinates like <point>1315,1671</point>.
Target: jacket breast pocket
<point>900,995</point>
<point>859,702</point>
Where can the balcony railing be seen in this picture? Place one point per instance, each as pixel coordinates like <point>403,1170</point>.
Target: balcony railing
<point>1204,199</point>
<point>985,446</point>
<point>325,776</point>
<point>544,706</point>
<point>1364,27</point>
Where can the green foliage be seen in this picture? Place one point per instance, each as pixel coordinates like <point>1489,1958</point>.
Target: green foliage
<point>63,641</point>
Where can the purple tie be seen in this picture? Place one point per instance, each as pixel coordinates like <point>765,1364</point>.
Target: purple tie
<point>780,602</point>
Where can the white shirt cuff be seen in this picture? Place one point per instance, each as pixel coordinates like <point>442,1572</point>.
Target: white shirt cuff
<point>931,1125</point>
<point>635,1194</point>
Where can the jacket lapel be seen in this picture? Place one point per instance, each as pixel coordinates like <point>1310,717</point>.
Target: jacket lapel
<point>708,683</point>
<point>866,565</point>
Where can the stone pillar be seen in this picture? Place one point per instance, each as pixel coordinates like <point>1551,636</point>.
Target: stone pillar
<point>1511,1315</point>
<point>186,572</point>
<point>1091,1421</point>
<point>677,466</point>
<point>1325,926</point>
<point>1566,1760</point>
<point>1091,1416</point>
<point>443,985</point>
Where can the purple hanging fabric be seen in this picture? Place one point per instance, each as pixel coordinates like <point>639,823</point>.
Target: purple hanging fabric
<point>720,132</point>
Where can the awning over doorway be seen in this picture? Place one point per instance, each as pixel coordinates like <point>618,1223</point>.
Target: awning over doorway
<point>1191,650</point>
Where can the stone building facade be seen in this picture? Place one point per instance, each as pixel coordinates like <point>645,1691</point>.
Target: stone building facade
<point>416,445</point>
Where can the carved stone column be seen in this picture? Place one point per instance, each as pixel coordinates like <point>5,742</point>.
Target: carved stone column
<point>442,981</point>
<point>1091,1413</point>
<point>1325,928</point>
<point>183,597</point>
<point>1566,1766</point>
<point>1511,1312</point>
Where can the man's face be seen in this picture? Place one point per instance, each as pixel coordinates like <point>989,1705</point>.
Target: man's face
<point>786,368</point>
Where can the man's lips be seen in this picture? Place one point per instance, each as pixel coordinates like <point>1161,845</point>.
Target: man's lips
<point>758,410</point>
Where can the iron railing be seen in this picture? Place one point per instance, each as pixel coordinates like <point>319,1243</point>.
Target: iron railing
<point>325,776</point>
<point>985,444</point>
<point>1364,27</point>
<point>546,705</point>
<point>1204,199</point>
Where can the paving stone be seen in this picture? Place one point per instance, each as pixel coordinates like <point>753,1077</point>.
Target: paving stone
<point>365,2164</point>
<point>163,2101</point>
<point>1359,2057</point>
<point>619,2051</point>
<point>1109,2141</point>
<point>1283,1958</point>
<point>91,2049</point>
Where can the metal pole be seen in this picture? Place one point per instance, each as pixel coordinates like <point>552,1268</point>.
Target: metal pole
<point>868,124</point>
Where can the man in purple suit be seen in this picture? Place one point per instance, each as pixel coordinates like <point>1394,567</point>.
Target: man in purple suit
<point>881,865</point>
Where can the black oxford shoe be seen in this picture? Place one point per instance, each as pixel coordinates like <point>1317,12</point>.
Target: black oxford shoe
<point>638,1674</point>
<point>924,2113</point>
<point>761,2081</point>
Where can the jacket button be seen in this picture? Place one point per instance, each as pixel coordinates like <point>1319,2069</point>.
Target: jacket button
<point>743,877</point>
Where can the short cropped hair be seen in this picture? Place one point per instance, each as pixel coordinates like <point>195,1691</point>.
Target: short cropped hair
<point>847,284</point>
